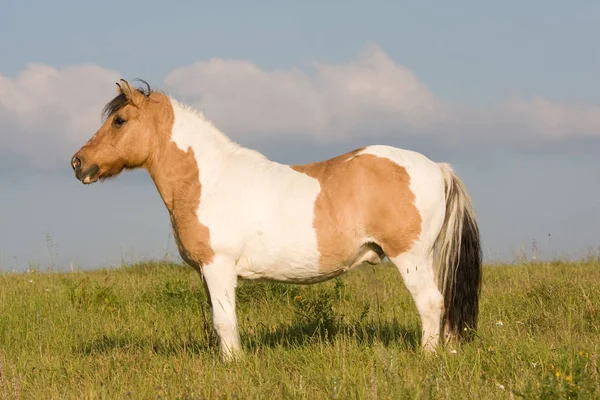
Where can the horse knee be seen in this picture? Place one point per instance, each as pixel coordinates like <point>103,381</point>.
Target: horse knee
<point>224,324</point>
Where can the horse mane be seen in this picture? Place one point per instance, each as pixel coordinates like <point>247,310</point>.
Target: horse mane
<point>120,100</point>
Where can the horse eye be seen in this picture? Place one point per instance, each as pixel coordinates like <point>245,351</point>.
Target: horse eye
<point>118,121</point>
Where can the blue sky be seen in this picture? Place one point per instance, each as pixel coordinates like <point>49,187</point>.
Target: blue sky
<point>508,92</point>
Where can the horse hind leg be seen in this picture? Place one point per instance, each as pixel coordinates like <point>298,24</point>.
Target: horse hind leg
<point>417,272</point>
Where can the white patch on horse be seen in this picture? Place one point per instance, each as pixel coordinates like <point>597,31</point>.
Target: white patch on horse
<point>271,236</point>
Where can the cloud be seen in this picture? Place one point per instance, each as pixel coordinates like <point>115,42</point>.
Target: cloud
<point>372,92</point>
<point>47,113</point>
<point>372,95</point>
<point>556,120</point>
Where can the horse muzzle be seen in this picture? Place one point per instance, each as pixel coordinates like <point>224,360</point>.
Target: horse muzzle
<point>85,173</point>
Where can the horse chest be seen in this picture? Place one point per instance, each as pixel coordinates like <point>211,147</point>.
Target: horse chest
<point>192,238</point>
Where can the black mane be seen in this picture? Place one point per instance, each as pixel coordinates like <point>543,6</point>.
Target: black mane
<point>121,101</point>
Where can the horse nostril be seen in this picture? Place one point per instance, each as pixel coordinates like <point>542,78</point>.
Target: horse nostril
<point>76,163</point>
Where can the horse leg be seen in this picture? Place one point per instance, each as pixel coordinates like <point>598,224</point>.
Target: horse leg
<point>418,275</point>
<point>221,280</point>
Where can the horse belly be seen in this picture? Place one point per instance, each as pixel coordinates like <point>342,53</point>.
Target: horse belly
<point>282,247</point>
<point>272,230</point>
<point>281,265</point>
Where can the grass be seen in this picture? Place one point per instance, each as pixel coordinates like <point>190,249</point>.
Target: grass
<point>143,332</point>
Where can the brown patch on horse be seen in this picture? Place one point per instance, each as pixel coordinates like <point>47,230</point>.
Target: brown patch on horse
<point>361,196</point>
<point>144,140</point>
<point>177,178</point>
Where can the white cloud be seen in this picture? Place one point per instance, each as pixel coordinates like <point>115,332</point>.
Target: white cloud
<point>556,120</point>
<point>341,100</point>
<point>47,113</point>
<point>371,95</point>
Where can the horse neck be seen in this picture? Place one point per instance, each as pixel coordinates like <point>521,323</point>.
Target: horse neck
<point>196,150</point>
<point>192,130</point>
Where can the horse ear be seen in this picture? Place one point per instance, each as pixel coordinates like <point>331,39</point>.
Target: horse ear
<point>133,95</point>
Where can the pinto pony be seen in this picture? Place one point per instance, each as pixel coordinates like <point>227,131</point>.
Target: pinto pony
<point>236,214</point>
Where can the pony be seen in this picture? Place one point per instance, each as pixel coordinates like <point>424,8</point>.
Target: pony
<point>236,214</point>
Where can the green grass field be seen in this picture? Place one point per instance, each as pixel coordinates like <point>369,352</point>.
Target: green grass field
<point>144,332</point>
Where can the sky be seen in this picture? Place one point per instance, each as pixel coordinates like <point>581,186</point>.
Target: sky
<point>507,92</point>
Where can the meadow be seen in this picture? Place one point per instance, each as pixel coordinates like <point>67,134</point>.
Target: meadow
<point>143,332</point>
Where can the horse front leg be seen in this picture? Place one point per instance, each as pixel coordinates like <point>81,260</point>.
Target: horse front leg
<point>221,281</point>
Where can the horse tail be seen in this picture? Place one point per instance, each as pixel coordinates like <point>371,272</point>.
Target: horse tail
<point>458,259</point>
